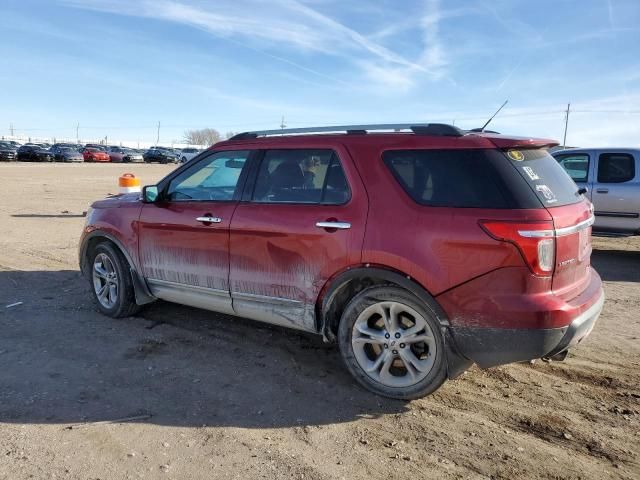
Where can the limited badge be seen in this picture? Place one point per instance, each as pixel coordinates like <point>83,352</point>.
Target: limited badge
<point>516,155</point>
<point>532,175</point>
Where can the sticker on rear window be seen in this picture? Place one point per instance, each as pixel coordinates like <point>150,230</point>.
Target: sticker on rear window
<point>549,196</point>
<point>516,155</point>
<point>532,175</point>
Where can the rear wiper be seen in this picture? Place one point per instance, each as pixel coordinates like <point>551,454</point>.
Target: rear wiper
<point>582,190</point>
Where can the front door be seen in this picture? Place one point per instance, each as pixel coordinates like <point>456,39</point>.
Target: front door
<point>302,222</point>
<point>184,238</point>
<point>616,192</point>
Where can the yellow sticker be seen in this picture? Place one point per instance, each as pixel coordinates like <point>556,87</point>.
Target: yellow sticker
<point>516,155</point>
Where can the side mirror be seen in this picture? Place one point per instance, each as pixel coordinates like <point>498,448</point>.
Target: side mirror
<point>150,194</point>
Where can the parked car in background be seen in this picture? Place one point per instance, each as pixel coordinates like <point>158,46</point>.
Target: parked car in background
<point>188,153</point>
<point>160,155</point>
<point>96,145</point>
<point>92,154</point>
<point>12,142</point>
<point>56,147</point>
<point>475,247</point>
<point>68,154</point>
<point>611,178</point>
<point>124,155</point>
<point>8,152</point>
<point>34,153</point>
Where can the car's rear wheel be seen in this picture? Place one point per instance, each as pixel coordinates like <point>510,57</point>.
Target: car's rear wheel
<point>392,344</point>
<point>111,282</point>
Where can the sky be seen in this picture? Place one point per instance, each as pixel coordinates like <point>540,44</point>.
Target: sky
<point>118,67</point>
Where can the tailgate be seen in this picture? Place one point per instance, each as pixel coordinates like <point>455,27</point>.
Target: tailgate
<point>573,248</point>
<point>572,217</point>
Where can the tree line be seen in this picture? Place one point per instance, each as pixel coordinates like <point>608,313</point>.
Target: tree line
<point>205,136</point>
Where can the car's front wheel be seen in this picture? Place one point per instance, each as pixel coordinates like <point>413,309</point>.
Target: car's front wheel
<point>111,282</point>
<point>392,344</point>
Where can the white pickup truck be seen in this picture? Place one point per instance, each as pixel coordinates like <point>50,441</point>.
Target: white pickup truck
<point>612,179</point>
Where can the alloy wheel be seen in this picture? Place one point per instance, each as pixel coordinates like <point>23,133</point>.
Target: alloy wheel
<point>105,280</point>
<point>393,344</point>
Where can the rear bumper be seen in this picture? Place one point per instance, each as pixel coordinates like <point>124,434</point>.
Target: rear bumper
<point>489,347</point>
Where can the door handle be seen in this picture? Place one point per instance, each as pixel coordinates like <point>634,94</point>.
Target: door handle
<point>334,224</point>
<point>209,219</point>
<point>602,190</point>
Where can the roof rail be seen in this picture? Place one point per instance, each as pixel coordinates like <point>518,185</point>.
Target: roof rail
<point>438,129</point>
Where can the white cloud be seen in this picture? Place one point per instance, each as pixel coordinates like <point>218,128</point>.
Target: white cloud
<point>283,26</point>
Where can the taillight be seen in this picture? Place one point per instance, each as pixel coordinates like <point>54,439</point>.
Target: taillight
<point>535,241</point>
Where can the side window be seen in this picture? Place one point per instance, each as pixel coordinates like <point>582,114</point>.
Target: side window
<point>214,178</point>
<point>447,178</point>
<point>616,168</point>
<point>301,176</point>
<point>576,165</point>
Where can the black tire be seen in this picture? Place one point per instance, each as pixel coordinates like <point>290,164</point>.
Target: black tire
<point>391,293</point>
<point>125,305</point>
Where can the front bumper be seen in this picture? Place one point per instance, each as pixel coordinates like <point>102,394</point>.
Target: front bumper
<point>489,347</point>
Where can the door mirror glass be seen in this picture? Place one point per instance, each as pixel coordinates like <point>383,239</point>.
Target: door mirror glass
<point>150,193</point>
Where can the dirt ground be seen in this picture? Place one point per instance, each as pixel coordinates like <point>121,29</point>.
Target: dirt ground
<point>223,397</point>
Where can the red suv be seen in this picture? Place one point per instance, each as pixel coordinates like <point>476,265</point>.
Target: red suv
<point>419,249</point>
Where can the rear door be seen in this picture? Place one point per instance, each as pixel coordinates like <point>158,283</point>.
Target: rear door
<point>301,222</point>
<point>616,195</point>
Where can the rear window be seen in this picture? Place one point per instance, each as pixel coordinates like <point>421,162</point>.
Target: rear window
<point>467,178</point>
<point>482,178</point>
<point>616,168</point>
<point>549,181</point>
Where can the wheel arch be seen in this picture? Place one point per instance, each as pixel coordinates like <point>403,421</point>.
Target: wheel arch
<point>359,277</point>
<point>142,293</point>
<point>343,286</point>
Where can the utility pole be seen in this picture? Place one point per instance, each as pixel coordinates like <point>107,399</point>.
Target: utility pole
<point>566,126</point>
<point>78,132</point>
<point>158,137</point>
<point>11,129</point>
<point>282,124</point>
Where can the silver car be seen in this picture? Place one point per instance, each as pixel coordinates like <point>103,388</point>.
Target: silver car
<point>612,179</point>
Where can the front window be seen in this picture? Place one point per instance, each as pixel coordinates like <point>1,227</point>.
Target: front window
<point>214,178</point>
<point>576,165</point>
